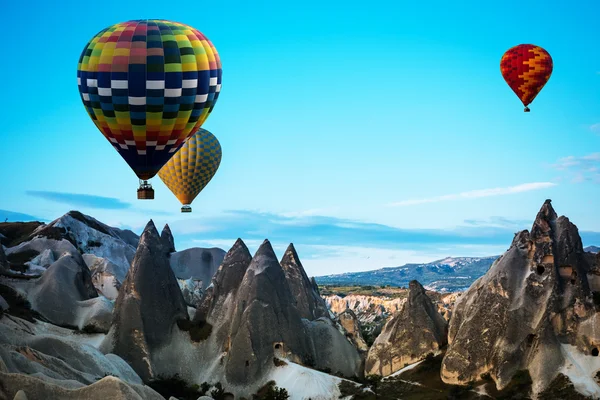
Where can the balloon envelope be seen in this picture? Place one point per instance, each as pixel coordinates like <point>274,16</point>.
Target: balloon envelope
<point>148,85</point>
<point>192,167</point>
<point>526,68</point>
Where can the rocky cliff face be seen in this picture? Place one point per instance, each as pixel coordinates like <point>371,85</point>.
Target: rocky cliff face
<point>147,308</point>
<point>308,301</point>
<point>533,310</point>
<point>412,333</point>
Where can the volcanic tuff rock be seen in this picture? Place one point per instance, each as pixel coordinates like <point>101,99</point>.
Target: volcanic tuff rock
<point>3,261</point>
<point>167,239</point>
<point>532,310</point>
<point>197,263</point>
<point>48,362</point>
<point>66,296</point>
<point>413,332</point>
<point>265,315</point>
<point>308,301</point>
<point>148,306</point>
<point>349,322</point>
<point>254,318</point>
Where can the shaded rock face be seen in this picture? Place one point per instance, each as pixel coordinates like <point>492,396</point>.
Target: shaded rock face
<point>412,333</point>
<point>308,301</point>
<point>148,306</point>
<point>197,263</point>
<point>349,321</point>
<point>3,260</point>
<point>167,239</point>
<point>218,302</point>
<point>527,311</point>
<point>65,296</point>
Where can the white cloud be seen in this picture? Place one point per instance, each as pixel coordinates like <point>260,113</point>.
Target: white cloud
<point>474,194</point>
<point>595,128</point>
<point>584,168</point>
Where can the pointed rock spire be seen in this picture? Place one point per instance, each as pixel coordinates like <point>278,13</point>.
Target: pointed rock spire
<point>413,332</point>
<point>167,239</point>
<point>226,280</point>
<point>148,305</point>
<point>534,300</point>
<point>308,301</point>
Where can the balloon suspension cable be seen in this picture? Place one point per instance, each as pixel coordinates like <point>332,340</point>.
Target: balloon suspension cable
<point>527,109</point>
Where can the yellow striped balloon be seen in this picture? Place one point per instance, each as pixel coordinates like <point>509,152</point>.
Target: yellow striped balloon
<point>192,167</point>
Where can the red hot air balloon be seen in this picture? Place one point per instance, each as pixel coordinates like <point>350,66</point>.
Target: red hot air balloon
<point>526,68</point>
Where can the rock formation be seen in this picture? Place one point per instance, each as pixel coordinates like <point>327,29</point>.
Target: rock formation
<point>533,310</point>
<point>167,239</point>
<point>254,317</point>
<point>349,322</point>
<point>149,305</point>
<point>412,333</point>
<point>47,362</point>
<point>3,260</point>
<point>308,301</point>
<point>197,263</point>
<point>65,295</point>
<point>265,318</point>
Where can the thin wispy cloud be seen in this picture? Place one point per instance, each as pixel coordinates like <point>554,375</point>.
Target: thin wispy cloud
<point>595,128</point>
<point>581,169</point>
<point>81,200</point>
<point>474,194</point>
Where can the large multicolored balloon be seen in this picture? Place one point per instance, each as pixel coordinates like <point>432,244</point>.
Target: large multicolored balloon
<point>526,68</point>
<point>148,85</point>
<point>192,167</point>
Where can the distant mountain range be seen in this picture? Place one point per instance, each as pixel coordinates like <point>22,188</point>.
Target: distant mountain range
<point>451,274</point>
<point>592,249</point>
<point>447,275</point>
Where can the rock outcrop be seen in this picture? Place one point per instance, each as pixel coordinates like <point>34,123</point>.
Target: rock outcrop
<point>147,308</point>
<point>167,239</point>
<point>533,310</point>
<point>197,263</point>
<point>47,362</point>
<point>265,320</point>
<point>349,322</point>
<point>308,301</point>
<point>3,260</point>
<point>412,333</point>
<point>254,317</point>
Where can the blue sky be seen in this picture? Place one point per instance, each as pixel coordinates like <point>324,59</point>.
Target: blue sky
<point>369,136</point>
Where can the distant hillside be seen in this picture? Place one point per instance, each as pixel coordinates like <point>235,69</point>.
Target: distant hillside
<point>447,275</point>
<point>592,249</point>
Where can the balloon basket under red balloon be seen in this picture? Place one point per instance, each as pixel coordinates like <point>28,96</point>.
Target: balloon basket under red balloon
<point>527,109</point>
<point>145,191</point>
<point>186,209</point>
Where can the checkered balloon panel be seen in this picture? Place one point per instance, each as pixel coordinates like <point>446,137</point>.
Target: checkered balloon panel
<point>193,166</point>
<point>148,85</point>
<point>526,68</point>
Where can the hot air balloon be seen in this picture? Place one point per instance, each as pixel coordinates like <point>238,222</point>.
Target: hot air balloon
<point>148,85</point>
<point>192,167</point>
<point>526,68</point>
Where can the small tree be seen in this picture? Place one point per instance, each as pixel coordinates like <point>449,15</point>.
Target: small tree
<point>218,393</point>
